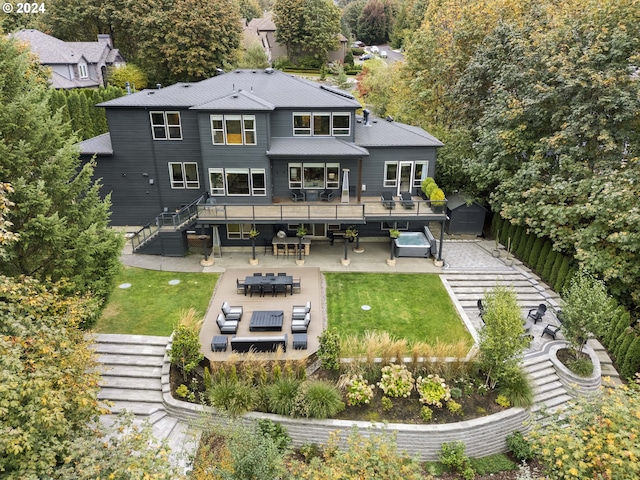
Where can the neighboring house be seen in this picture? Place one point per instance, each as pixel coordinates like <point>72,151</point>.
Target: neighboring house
<point>226,153</point>
<point>73,64</point>
<point>265,30</point>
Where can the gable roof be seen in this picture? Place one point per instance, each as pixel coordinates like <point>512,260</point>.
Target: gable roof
<point>100,145</point>
<point>314,146</point>
<point>266,87</point>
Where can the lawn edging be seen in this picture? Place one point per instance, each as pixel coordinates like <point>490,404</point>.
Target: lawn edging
<point>482,436</point>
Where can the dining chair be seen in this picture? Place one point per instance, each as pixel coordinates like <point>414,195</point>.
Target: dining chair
<point>269,274</point>
<point>257,274</point>
<point>282,274</point>
<point>295,285</point>
<point>281,248</point>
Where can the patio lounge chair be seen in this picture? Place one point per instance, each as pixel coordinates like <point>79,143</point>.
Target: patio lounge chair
<point>327,195</point>
<point>297,195</point>
<point>482,309</point>
<point>536,314</point>
<point>406,200</point>
<point>387,200</point>
<point>301,326</point>
<point>300,311</point>
<point>226,326</point>
<point>550,330</point>
<point>231,313</point>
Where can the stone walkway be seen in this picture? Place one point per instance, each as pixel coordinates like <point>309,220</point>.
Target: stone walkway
<point>131,365</point>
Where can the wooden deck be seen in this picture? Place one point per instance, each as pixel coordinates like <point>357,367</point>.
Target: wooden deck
<point>311,290</point>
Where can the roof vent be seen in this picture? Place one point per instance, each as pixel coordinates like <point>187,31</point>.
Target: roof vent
<point>389,118</point>
<point>151,92</point>
<point>158,86</point>
<point>268,70</point>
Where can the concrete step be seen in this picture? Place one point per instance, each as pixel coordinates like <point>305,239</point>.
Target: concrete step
<point>130,395</point>
<point>157,416</point>
<point>525,299</point>
<point>137,408</point>
<point>130,349</point>
<point>128,383</point>
<point>542,374</point>
<point>178,437</point>
<point>549,386</point>
<point>489,284</point>
<point>163,428</point>
<point>130,371</point>
<point>130,339</point>
<point>555,401</point>
<point>549,395</point>
<point>133,360</point>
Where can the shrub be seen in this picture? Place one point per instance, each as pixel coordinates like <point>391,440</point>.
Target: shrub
<point>387,404</point>
<point>433,390</point>
<point>358,390</point>
<point>318,399</point>
<point>396,381</point>
<point>456,393</point>
<point>282,395</point>
<point>553,277</point>
<point>516,240</point>
<point>581,366</point>
<point>276,432</point>
<point>310,451</point>
<point>424,186</point>
<point>235,398</point>
<point>532,258</point>
<point>185,349</point>
<point>562,275</point>
<point>548,265</point>
<point>631,363</point>
<point>520,447</point>
<point>455,408</point>
<point>329,350</point>
<point>426,413</point>
<point>544,254</point>
<point>452,456</point>
<point>182,391</point>
<point>528,247</point>
<point>496,224</point>
<point>517,388</point>
<point>492,464</point>
<point>621,321</point>
<point>503,401</point>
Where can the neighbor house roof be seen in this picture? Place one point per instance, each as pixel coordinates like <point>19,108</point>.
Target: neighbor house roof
<point>100,145</point>
<point>387,133</point>
<point>314,146</point>
<point>271,87</point>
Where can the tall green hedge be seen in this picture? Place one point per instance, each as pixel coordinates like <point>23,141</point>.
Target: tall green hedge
<point>534,255</point>
<point>631,363</point>
<point>623,346</point>
<point>548,265</point>
<point>555,270</point>
<point>621,321</point>
<point>528,247</point>
<point>515,241</point>
<point>544,255</point>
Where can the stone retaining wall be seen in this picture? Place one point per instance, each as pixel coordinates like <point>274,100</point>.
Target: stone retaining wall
<point>482,436</point>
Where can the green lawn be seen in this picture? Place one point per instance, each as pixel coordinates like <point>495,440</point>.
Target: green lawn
<point>412,306</point>
<point>151,306</point>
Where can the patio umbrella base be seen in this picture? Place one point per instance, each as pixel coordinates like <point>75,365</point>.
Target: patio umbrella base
<point>300,262</point>
<point>345,261</point>
<point>207,263</point>
<point>253,261</point>
<point>391,262</point>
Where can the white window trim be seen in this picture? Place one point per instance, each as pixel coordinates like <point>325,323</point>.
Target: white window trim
<point>333,130</point>
<point>295,184</point>
<point>218,191</point>
<point>303,132</point>
<point>243,231</point>
<point>246,171</point>
<point>214,130</point>
<point>83,71</point>
<point>313,124</point>
<point>184,183</point>
<point>243,130</point>
<point>386,181</point>
<point>417,182</point>
<point>258,191</point>
<point>165,124</point>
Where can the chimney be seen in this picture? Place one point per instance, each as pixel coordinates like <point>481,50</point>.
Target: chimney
<point>365,115</point>
<point>105,38</point>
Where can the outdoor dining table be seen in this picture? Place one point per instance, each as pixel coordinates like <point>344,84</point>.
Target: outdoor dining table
<point>267,282</point>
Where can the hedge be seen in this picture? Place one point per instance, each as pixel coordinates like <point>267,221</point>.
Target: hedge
<point>528,247</point>
<point>555,269</point>
<point>631,363</point>
<point>544,254</point>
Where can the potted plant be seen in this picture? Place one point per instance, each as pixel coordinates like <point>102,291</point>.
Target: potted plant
<point>253,233</point>
<point>393,234</point>
<point>425,187</point>
<point>300,232</point>
<point>349,235</point>
<point>352,234</point>
<point>437,200</point>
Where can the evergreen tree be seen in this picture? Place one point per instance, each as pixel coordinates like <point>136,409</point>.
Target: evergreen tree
<point>631,363</point>
<point>59,214</point>
<point>562,275</point>
<point>85,117</point>
<point>621,321</point>
<point>544,255</point>
<point>555,268</point>
<point>516,240</point>
<point>548,266</point>
<point>535,252</point>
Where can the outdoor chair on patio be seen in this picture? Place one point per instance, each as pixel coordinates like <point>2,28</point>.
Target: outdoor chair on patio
<point>231,313</point>
<point>536,314</point>
<point>297,195</point>
<point>387,200</point>
<point>406,200</point>
<point>279,288</point>
<point>296,285</point>
<point>227,326</point>
<point>301,326</point>
<point>300,311</point>
<point>327,195</point>
<point>482,309</point>
<point>552,330</point>
<point>241,287</point>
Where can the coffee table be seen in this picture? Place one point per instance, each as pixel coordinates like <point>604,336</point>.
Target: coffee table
<point>266,321</point>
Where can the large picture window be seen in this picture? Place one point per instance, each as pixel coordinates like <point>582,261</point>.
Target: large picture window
<point>237,181</point>
<point>321,124</point>
<point>233,129</point>
<point>166,125</point>
<point>314,175</point>
<point>184,175</point>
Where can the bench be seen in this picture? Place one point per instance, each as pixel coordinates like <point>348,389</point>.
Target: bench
<point>258,343</point>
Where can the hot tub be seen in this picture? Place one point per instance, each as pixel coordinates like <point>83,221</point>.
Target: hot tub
<point>412,244</point>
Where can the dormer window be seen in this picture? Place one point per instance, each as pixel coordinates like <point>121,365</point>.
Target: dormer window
<point>82,70</point>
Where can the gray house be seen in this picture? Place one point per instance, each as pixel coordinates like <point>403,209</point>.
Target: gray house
<point>73,64</point>
<point>257,148</point>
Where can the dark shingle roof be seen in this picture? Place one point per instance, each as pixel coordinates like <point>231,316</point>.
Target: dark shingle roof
<point>276,88</point>
<point>237,101</point>
<point>382,133</point>
<point>100,145</point>
<point>314,146</point>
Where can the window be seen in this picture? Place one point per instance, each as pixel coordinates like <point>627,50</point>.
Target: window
<point>314,175</point>
<point>341,123</point>
<point>184,175</point>
<point>216,181</point>
<point>82,70</point>
<point>237,180</point>
<point>166,125</point>
<point>386,226</point>
<point>390,174</point>
<point>238,231</point>
<point>420,173</point>
<point>301,124</point>
<point>233,129</point>
<point>322,124</point>
<point>258,182</point>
